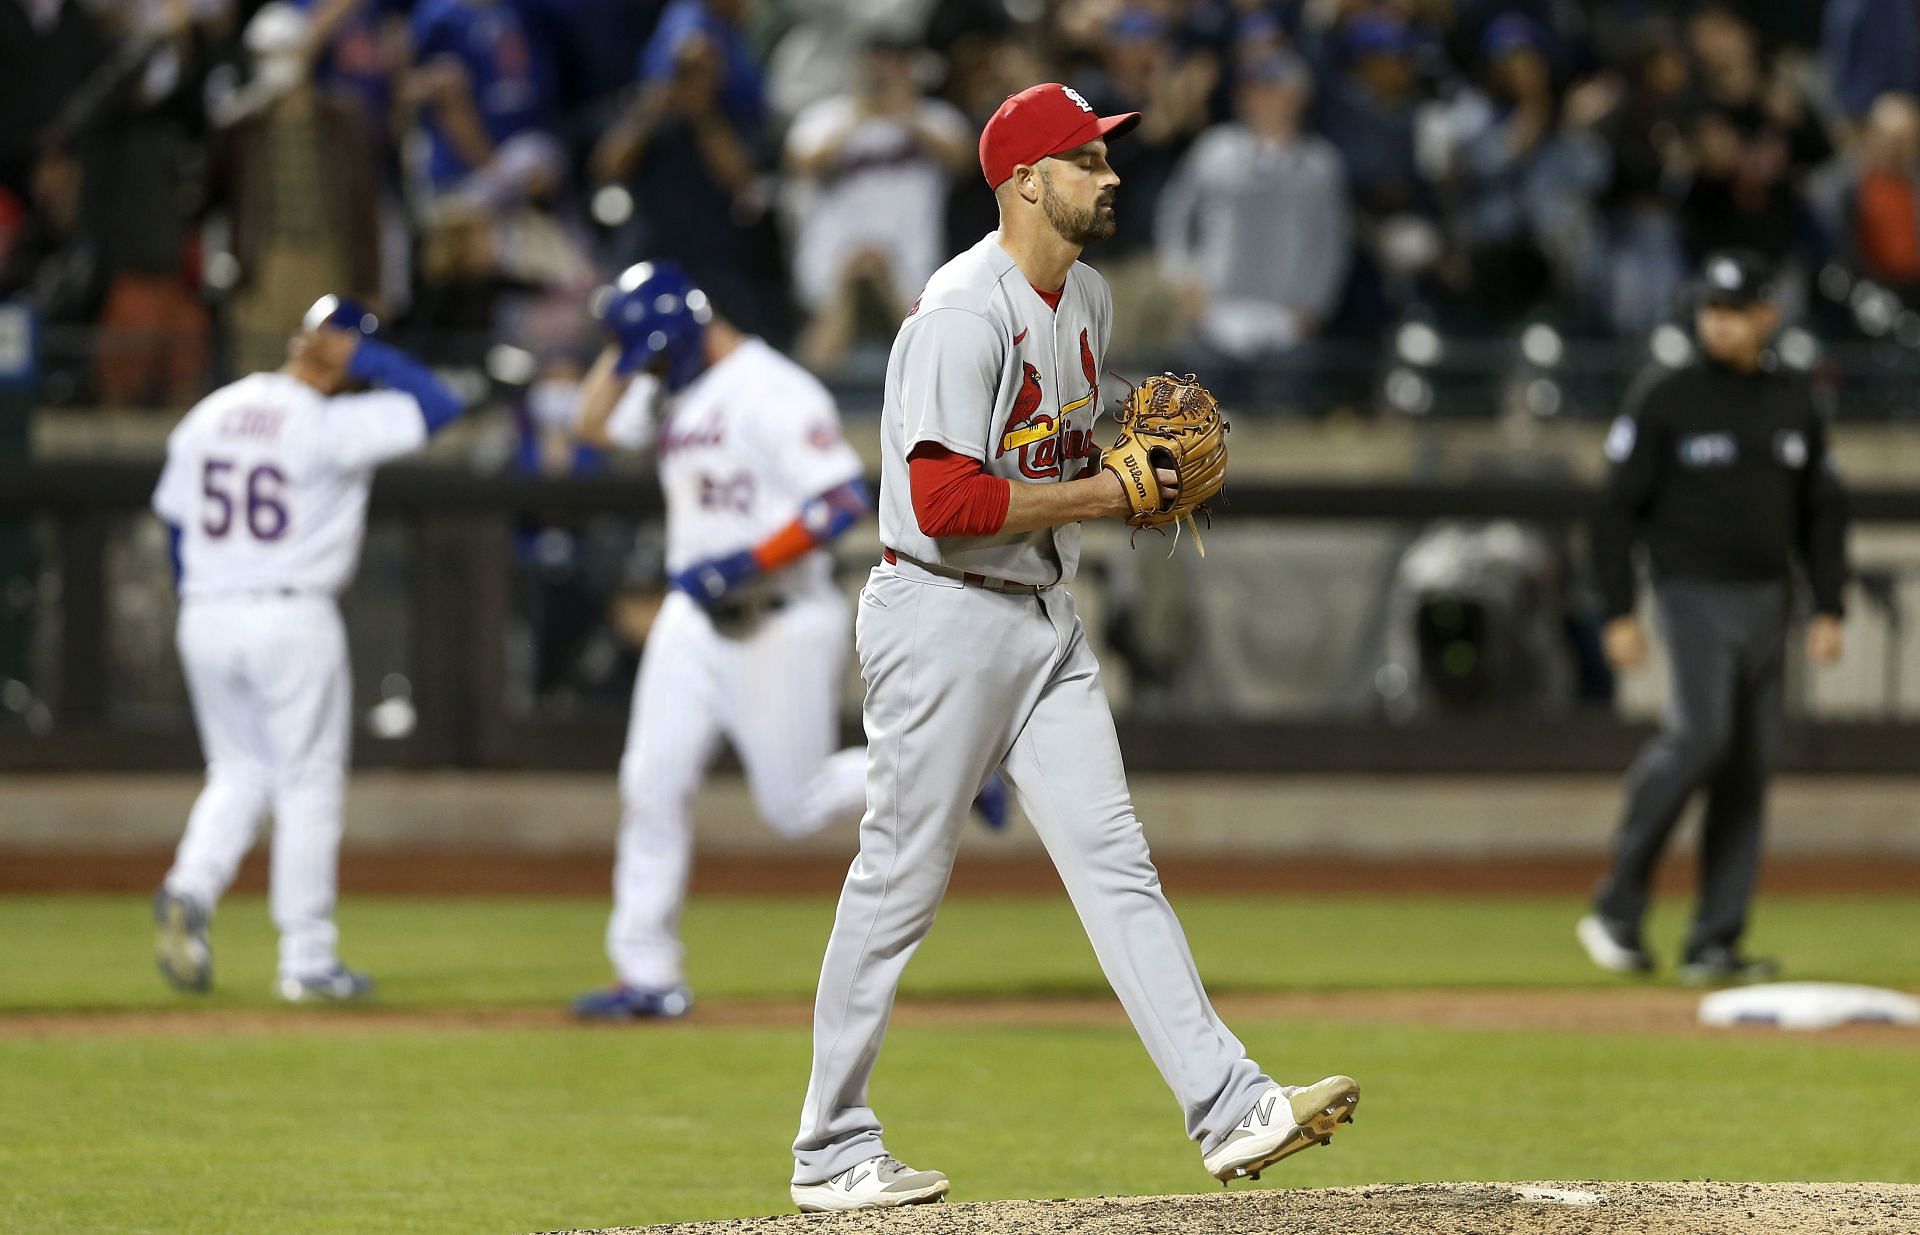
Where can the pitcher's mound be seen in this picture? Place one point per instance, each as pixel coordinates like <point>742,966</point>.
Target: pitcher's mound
<point>1395,1209</point>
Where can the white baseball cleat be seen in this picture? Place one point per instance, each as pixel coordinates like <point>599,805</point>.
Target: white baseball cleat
<point>877,1183</point>
<point>1284,1120</point>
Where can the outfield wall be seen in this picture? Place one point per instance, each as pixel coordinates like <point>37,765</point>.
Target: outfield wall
<point>1223,817</point>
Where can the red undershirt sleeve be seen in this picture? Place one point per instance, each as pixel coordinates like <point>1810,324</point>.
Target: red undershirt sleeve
<point>953,495</point>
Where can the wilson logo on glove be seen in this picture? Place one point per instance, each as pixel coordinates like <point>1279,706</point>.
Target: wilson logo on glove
<point>1173,424</point>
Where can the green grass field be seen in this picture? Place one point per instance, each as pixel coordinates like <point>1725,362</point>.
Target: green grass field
<point>407,1129</point>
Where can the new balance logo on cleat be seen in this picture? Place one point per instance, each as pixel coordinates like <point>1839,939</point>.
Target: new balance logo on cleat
<point>1271,1131</point>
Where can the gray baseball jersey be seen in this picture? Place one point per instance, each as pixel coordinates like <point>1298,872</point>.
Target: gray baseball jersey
<point>985,368</point>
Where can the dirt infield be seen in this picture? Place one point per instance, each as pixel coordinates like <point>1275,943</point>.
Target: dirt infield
<point>1624,1010</point>
<point>1397,1209</point>
<point>508,872</point>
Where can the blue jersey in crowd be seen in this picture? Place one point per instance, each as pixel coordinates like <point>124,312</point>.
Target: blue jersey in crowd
<point>512,74</point>
<point>352,61</point>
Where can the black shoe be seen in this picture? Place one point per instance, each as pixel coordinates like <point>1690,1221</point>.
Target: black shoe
<point>1611,946</point>
<point>1720,965</point>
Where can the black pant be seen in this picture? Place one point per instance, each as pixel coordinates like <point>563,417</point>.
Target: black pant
<point>1727,647</point>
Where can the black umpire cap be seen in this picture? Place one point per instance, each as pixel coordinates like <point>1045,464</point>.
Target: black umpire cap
<point>1735,279</point>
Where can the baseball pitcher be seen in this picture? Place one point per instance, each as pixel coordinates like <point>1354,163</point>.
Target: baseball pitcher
<point>974,657</point>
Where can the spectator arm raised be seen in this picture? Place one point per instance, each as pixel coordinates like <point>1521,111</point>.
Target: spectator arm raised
<point>957,151</point>
<point>325,20</point>
<point>620,150</point>
<point>808,159</point>
<point>726,155</point>
<point>444,85</point>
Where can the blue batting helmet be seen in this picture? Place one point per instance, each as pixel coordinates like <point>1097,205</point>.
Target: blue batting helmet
<point>341,313</point>
<point>658,315</point>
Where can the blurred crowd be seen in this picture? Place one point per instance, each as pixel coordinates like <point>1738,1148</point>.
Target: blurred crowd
<point>187,175</point>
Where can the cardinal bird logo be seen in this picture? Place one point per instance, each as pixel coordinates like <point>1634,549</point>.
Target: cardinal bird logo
<point>1092,370</point>
<point>1025,424</point>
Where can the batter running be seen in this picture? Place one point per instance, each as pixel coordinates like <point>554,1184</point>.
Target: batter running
<point>751,644</point>
<point>974,659</point>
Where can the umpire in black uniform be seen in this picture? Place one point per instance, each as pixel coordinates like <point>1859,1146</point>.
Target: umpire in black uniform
<point>1720,469</point>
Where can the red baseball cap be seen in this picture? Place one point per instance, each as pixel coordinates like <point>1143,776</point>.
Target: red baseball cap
<point>1040,121</point>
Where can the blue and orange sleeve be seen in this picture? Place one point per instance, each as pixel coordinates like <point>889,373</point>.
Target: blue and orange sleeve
<point>822,519</point>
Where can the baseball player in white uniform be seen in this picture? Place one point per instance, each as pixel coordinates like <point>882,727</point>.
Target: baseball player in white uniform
<point>751,642</point>
<point>265,495</point>
<point>974,657</point>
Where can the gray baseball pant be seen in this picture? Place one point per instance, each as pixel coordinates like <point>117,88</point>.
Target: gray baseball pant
<point>1726,646</point>
<point>962,680</point>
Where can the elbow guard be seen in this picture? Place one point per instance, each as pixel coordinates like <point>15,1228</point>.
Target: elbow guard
<point>829,515</point>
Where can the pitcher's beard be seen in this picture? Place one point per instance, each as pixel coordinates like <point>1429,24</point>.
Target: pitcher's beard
<point>1077,227</point>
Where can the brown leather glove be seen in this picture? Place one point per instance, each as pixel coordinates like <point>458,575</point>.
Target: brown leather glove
<point>1171,423</point>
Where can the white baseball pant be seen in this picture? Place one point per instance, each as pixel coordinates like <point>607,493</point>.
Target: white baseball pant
<point>271,692</point>
<point>773,692</point>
